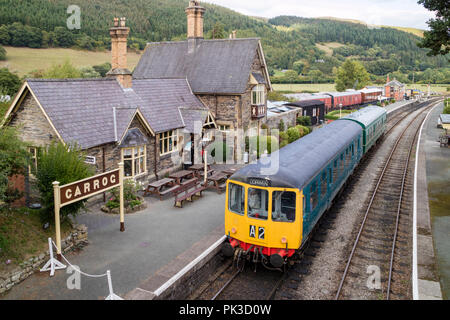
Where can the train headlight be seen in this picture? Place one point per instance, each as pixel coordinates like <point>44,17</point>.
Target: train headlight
<point>233,230</point>
<point>284,240</point>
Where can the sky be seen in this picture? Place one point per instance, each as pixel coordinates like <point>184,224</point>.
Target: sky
<point>401,13</point>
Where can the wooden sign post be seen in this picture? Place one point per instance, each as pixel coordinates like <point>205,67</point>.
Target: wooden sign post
<point>79,190</point>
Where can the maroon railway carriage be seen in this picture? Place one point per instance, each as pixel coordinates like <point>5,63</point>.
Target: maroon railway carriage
<point>346,99</point>
<point>371,95</point>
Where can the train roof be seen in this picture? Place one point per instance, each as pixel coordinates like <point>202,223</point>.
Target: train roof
<point>342,94</point>
<point>306,103</point>
<point>301,160</point>
<point>366,116</point>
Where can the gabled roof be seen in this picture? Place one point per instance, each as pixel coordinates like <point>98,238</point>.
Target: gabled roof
<point>92,112</point>
<point>394,83</point>
<point>211,66</point>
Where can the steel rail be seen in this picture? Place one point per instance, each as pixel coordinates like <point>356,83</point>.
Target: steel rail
<point>370,206</point>
<point>402,189</point>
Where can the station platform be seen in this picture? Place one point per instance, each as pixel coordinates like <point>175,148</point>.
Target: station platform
<point>433,217</point>
<point>397,105</point>
<point>156,244</point>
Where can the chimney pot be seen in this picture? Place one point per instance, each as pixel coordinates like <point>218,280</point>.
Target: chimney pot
<point>116,22</point>
<point>123,22</point>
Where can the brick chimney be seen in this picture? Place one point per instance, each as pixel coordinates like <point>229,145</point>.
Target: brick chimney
<point>119,70</point>
<point>195,14</point>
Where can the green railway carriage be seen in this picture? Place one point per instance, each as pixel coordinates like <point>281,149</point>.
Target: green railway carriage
<point>373,121</point>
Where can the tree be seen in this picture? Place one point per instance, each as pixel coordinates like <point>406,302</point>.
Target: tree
<point>315,75</point>
<point>14,158</point>
<point>2,53</point>
<point>4,35</point>
<point>298,66</point>
<point>290,76</point>
<point>102,69</point>
<point>66,70</point>
<point>351,74</point>
<point>9,82</point>
<point>438,37</point>
<point>63,163</point>
<point>218,31</point>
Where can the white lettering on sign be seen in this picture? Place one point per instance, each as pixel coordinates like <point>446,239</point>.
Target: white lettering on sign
<point>261,232</point>
<point>252,231</point>
<point>96,184</point>
<point>77,192</point>
<point>68,194</point>
<point>87,187</point>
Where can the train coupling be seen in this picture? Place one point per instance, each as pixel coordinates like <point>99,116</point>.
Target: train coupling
<point>229,247</point>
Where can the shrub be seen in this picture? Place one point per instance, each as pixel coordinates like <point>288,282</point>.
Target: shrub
<point>293,134</point>
<point>14,157</point>
<point>304,121</point>
<point>270,144</point>
<point>63,163</point>
<point>302,130</point>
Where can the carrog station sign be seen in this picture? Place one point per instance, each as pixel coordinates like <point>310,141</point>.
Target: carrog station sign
<point>88,187</point>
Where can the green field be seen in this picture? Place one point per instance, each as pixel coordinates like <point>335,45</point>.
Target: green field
<point>25,60</point>
<point>323,87</point>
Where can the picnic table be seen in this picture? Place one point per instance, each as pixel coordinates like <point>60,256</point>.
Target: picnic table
<point>217,180</point>
<point>198,169</point>
<point>229,172</point>
<point>180,175</point>
<point>157,187</point>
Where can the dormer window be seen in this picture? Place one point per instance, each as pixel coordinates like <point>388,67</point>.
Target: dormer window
<point>259,95</point>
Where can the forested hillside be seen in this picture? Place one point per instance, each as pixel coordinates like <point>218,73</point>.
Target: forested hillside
<point>288,42</point>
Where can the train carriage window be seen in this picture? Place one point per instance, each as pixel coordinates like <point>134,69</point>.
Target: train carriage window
<point>283,206</point>
<point>236,198</point>
<point>335,170</point>
<point>341,165</point>
<point>258,203</point>
<point>323,185</point>
<point>314,196</point>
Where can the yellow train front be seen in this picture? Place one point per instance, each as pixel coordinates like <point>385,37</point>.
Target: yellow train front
<point>263,221</point>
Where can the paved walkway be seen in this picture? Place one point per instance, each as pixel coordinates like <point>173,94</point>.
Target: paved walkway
<point>435,231</point>
<point>152,239</point>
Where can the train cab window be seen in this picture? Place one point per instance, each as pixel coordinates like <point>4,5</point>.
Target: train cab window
<point>314,198</point>
<point>283,206</point>
<point>258,203</point>
<point>236,198</point>
<point>323,185</point>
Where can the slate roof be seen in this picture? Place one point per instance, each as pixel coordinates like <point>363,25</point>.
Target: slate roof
<point>306,103</point>
<point>82,110</point>
<point>211,66</point>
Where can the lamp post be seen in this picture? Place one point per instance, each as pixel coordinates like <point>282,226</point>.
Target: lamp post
<point>340,110</point>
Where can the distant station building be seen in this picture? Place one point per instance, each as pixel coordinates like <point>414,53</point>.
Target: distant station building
<point>394,89</point>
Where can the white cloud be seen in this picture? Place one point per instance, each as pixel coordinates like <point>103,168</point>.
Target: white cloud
<point>403,13</point>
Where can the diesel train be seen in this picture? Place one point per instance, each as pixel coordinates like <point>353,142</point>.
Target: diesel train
<point>270,217</point>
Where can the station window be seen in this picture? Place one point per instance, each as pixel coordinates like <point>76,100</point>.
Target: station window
<point>134,161</point>
<point>283,206</point>
<point>236,198</point>
<point>314,196</point>
<point>323,185</point>
<point>258,203</point>
<point>341,165</point>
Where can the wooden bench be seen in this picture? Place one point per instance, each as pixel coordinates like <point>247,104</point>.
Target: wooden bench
<point>164,193</point>
<point>187,191</point>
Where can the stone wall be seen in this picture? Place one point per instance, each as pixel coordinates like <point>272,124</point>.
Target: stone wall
<point>78,238</point>
<point>289,118</point>
<point>34,127</point>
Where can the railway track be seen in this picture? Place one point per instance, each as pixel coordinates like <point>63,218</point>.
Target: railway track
<point>378,266</point>
<point>241,283</point>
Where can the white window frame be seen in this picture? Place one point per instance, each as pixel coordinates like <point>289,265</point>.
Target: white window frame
<point>134,157</point>
<point>34,159</point>
<point>165,148</point>
<point>224,127</point>
<point>259,95</point>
